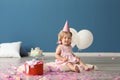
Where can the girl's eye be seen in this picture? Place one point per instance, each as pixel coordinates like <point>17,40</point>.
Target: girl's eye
<point>66,37</point>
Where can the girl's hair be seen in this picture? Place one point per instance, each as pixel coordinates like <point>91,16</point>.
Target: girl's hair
<point>61,35</point>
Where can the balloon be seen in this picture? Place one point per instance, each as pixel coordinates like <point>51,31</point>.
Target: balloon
<point>84,39</point>
<point>74,37</point>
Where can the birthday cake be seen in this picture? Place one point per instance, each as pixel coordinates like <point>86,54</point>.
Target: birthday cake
<point>33,67</point>
<point>36,52</point>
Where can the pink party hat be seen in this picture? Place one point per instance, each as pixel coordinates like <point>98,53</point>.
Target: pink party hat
<point>66,27</point>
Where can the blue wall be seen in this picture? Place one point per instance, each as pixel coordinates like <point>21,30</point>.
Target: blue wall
<point>37,22</point>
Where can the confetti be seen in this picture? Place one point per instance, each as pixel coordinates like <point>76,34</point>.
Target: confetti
<point>9,72</point>
<point>113,58</point>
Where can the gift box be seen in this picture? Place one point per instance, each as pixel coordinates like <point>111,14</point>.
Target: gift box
<point>34,67</point>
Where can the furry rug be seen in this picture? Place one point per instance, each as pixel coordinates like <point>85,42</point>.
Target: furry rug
<point>8,71</point>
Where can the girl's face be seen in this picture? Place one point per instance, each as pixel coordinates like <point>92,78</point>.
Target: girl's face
<point>66,40</point>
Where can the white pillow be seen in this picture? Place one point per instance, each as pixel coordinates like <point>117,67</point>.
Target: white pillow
<point>10,49</point>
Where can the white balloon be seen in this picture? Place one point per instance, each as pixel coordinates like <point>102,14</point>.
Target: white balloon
<point>84,39</point>
<point>74,37</point>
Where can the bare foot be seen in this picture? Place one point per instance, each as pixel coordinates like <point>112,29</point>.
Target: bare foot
<point>76,69</point>
<point>86,68</point>
<point>91,67</point>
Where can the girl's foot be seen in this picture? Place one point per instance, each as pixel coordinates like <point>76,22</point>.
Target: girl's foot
<point>91,67</point>
<point>86,68</point>
<point>76,69</point>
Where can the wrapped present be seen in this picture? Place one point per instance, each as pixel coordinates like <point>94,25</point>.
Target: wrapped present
<point>34,67</point>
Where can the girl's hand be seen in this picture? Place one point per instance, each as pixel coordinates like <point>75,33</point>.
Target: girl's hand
<point>65,60</point>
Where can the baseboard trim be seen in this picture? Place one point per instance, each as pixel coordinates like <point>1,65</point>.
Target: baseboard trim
<point>90,54</point>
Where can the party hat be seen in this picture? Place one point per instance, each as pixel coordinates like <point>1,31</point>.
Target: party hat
<point>66,27</point>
